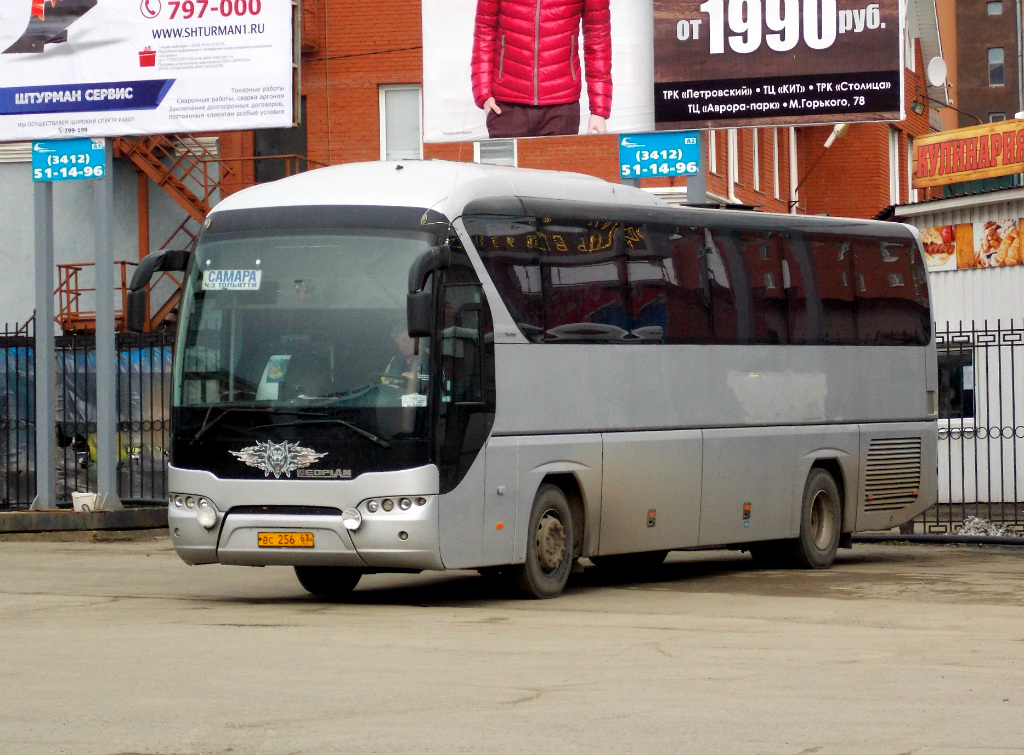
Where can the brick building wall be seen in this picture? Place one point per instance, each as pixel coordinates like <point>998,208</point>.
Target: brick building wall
<point>976,32</point>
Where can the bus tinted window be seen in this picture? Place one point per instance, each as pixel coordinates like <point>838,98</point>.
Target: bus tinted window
<point>831,265</point>
<point>762,252</point>
<point>727,286</point>
<point>579,281</point>
<point>892,304</point>
<point>668,286</point>
<point>563,280</point>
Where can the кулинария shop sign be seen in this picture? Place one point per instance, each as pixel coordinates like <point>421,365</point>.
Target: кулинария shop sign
<point>77,68</point>
<point>774,62</point>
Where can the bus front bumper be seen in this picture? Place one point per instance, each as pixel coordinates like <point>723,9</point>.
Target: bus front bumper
<point>397,539</point>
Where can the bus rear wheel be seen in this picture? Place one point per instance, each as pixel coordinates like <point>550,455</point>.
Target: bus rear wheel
<point>549,550</point>
<point>821,522</point>
<point>331,582</point>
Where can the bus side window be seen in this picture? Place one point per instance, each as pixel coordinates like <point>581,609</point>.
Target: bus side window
<point>890,308</point>
<point>728,284</point>
<point>669,286</point>
<point>511,251</point>
<point>765,267</point>
<point>830,260</point>
<point>582,274</point>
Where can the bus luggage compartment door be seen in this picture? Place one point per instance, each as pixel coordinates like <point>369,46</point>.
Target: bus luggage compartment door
<point>652,491</point>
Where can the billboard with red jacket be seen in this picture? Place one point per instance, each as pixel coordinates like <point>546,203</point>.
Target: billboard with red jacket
<point>519,68</point>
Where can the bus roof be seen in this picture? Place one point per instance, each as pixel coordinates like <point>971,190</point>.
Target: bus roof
<point>430,184</point>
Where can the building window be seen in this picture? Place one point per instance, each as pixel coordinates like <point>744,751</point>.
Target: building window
<point>734,156</point>
<point>956,383</point>
<point>401,130</point>
<point>996,117</point>
<point>712,152</point>
<point>912,195</point>
<point>756,158</point>
<point>996,71</point>
<point>775,162</point>
<point>996,8</point>
<point>496,152</point>
<point>894,166</point>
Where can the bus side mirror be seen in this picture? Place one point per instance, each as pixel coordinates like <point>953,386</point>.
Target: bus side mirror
<point>172,260</point>
<point>435,258</point>
<point>419,314</point>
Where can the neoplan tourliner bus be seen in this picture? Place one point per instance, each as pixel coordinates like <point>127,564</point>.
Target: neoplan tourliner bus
<point>428,365</point>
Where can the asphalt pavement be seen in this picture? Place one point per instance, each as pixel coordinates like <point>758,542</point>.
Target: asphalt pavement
<point>117,647</point>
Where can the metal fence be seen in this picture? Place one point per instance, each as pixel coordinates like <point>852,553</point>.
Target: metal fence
<point>981,426</point>
<point>143,409</point>
<point>981,421</point>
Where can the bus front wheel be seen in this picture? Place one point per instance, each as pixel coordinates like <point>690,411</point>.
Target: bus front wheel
<point>821,522</point>
<point>549,549</point>
<point>331,582</point>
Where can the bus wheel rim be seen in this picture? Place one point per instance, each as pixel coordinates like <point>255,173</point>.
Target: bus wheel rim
<point>550,542</point>
<point>822,520</point>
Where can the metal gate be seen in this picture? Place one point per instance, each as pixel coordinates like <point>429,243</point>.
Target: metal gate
<point>143,410</point>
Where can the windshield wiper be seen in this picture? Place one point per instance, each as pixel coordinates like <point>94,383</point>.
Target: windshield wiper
<point>207,423</point>
<point>320,420</point>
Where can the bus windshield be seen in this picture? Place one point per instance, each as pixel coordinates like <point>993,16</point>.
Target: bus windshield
<point>300,319</point>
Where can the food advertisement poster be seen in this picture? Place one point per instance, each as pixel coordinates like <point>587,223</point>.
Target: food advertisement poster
<point>92,68</point>
<point>724,63</point>
<point>966,246</point>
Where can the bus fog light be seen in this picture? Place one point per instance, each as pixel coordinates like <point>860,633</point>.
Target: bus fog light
<point>206,516</point>
<point>405,504</point>
<point>372,506</point>
<point>351,518</point>
<point>403,535</point>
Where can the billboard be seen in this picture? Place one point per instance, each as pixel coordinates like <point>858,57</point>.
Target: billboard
<point>93,68</point>
<point>659,64</point>
<point>725,63</point>
<point>967,154</point>
<point>598,49</point>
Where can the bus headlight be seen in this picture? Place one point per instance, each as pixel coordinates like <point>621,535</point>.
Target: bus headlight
<point>205,514</point>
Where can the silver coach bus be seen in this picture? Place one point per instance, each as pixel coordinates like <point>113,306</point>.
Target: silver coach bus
<point>428,365</point>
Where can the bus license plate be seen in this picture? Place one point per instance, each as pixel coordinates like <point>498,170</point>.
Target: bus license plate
<point>284,539</point>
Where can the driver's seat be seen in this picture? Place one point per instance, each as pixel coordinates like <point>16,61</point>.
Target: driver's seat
<point>308,375</point>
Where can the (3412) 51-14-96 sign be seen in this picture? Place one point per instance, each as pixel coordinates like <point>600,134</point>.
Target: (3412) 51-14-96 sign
<point>67,171</point>
<point>781,24</point>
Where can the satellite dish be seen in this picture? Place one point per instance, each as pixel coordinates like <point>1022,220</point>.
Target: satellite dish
<point>937,72</point>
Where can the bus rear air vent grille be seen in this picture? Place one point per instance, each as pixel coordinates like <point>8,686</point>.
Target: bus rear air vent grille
<point>892,476</point>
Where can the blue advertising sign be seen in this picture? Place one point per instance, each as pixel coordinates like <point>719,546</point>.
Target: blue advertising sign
<point>68,160</point>
<point>667,153</point>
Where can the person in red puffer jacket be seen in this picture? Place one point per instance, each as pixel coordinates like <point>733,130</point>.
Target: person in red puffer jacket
<point>526,70</point>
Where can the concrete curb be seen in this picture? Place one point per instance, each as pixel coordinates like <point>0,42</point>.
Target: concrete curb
<point>69,521</point>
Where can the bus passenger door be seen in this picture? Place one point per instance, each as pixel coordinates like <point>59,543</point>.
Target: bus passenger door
<point>652,491</point>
